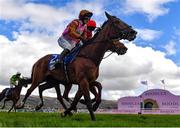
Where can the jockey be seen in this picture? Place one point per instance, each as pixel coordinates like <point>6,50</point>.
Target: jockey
<point>14,81</point>
<point>91,25</point>
<point>74,33</point>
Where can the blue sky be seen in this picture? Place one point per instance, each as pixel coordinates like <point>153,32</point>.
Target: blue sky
<point>29,29</point>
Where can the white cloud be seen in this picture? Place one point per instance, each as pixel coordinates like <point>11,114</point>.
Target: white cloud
<point>118,74</point>
<point>42,17</point>
<point>148,34</point>
<point>151,8</point>
<point>4,40</point>
<point>114,95</point>
<point>170,48</point>
<point>124,73</point>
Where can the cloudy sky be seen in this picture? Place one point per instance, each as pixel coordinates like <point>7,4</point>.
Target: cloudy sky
<point>29,29</point>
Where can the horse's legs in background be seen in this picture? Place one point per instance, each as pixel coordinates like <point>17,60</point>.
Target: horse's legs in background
<point>41,89</point>
<point>59,97</point>
<point>97,95</point>
<point>4,103</point>
<point>15,106</point>
<point>29,91</point>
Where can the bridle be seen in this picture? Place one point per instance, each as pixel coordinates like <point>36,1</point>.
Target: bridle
<point>123,33</point>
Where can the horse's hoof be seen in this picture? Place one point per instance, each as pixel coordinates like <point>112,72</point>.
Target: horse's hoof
<point>75,110</point>
<point>70,113</point>
<point>63,114</point>
<point>37,108</point>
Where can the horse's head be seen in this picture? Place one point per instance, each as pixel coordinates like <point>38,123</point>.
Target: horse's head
<point>23,82</point>
<point>119,29</point>
<point>118,47</point>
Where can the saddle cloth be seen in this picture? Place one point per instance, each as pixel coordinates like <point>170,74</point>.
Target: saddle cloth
<point>55,58</point>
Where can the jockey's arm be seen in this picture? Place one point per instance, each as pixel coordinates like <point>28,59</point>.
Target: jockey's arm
<point>72,30</point>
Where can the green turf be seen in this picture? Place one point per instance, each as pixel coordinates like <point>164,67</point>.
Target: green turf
<point>21,119</point>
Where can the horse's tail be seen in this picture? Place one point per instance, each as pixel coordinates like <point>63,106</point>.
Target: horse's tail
<point>26,80</point>
<point>32,73</point>
<point>29,80</point>
<point>2,94</point>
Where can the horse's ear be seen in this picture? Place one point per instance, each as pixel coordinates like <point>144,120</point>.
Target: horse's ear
<point>108,15</point>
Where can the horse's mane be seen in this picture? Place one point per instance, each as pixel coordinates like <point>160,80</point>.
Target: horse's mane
<point>98,30</point>
<point>96,33</point>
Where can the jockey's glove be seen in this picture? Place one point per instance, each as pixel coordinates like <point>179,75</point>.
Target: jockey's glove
<point>81,43</point>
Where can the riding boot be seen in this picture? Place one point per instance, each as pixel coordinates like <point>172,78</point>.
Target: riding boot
<point>63,54</point>
<point>59,63</point>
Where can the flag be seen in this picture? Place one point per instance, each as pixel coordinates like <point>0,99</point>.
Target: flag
<point>162,81</point>
<point>144,82</point>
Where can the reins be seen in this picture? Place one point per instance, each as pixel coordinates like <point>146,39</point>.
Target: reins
<point>108,55</point>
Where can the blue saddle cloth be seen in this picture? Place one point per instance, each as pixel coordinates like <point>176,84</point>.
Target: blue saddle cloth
<point>66,60</point>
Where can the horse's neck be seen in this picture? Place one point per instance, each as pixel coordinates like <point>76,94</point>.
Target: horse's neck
<point>96,50</point>
<point>18,89</point>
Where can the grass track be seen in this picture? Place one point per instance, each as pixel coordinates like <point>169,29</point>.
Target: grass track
<point>77,120</point>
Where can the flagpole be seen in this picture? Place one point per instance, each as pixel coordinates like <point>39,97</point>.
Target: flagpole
<point>163,82</point>
<point>145,83</point>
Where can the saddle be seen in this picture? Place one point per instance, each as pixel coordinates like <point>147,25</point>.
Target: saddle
<point>55,58</point>
<point>8,92</point>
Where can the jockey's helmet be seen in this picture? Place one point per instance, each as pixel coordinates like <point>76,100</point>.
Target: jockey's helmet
<point>85,14</point>
<point>91,23</point>
<point>18,73</point>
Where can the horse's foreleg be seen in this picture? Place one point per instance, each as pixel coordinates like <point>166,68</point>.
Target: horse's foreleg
<point>66,92</point>
<point>41,89</point>
<point>59,96</point>
<point>93,90</point>
<point>74,103</point>
<point>84,86</point>
<point>13,106</point>
<point>96,94</point>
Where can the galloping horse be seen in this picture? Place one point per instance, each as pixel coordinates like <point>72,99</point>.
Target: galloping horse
<point>84,70</point>
<point>14,95</point>
<point>55,84</point>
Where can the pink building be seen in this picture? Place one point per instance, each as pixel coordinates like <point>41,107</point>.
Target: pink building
<point>154,101</point>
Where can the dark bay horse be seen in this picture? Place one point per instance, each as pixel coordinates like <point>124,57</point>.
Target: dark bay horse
<point>55,84</point>
<point>14,94</point>
<point>84,70</point>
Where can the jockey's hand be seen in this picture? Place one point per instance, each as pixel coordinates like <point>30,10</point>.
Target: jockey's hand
<point>82,39</point>
<point>81,43</point>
